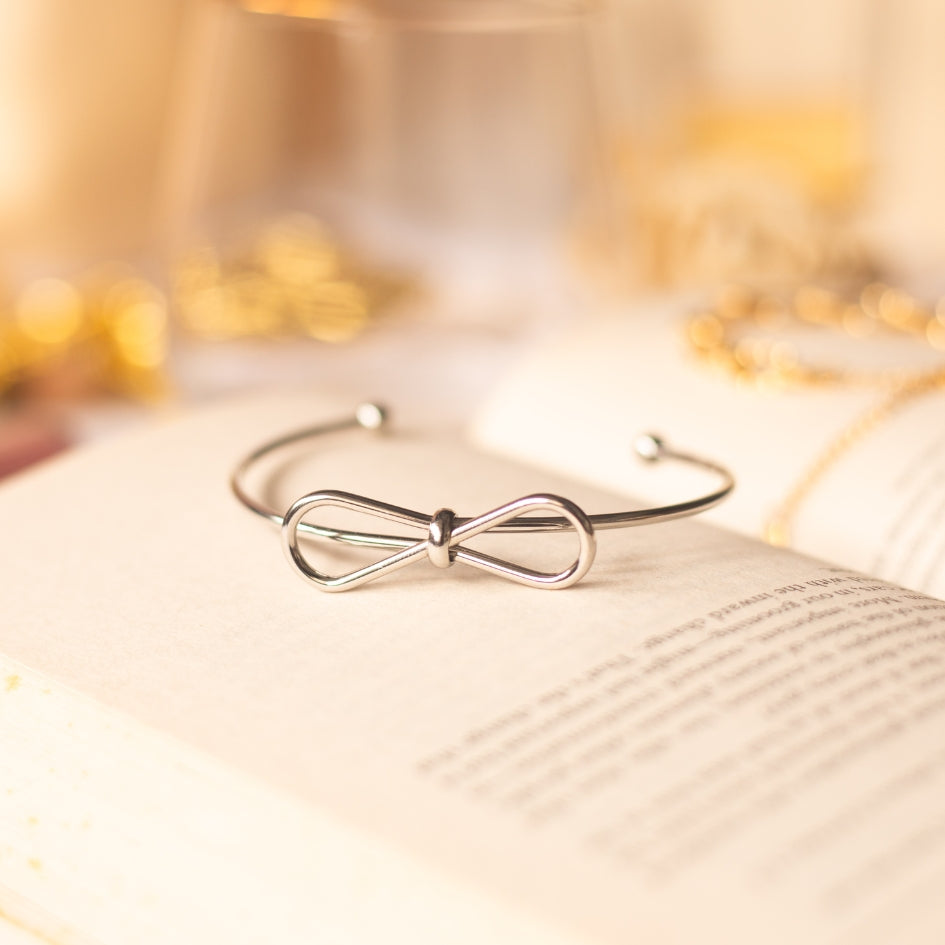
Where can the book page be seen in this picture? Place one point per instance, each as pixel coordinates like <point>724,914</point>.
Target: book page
<point>707,739</point>
<point>876,506</point>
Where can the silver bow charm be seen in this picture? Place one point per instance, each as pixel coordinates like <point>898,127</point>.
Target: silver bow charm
<point>442,546</point>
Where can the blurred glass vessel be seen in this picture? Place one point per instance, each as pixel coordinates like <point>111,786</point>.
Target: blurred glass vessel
<point>457,139</point>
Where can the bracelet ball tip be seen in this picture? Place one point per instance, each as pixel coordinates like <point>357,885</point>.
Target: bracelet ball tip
<point>648,446</point>
<point>371,416</point>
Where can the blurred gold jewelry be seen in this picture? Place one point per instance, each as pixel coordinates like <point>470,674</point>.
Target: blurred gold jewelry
<point>719,336</point>
<point>106,333</point>
<point>293,280</point>
<point>722,338</point>
<point>765,190</point>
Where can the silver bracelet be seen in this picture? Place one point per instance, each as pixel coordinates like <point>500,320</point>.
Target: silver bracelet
<point>445,531</point>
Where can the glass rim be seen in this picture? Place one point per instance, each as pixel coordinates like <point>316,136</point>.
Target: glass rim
<point>446,16</point>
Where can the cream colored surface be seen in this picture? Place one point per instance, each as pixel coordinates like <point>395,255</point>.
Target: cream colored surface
<point>197,746</point>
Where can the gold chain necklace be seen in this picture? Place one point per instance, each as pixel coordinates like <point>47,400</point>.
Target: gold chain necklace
<point>723,338</point>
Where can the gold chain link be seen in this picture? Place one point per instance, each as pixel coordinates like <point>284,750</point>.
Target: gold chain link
<point>723,338</point>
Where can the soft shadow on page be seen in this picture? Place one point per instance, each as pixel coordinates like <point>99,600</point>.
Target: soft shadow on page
<point>707,740</point>
<point>874,506</point>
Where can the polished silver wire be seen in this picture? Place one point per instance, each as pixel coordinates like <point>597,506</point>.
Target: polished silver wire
<point>445,530</point>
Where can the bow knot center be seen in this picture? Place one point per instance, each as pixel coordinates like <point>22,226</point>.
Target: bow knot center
<point>440,537</point>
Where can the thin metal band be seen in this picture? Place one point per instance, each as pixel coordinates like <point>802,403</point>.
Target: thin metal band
<point>445,530</point>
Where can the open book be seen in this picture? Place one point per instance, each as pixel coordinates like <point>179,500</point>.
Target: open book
<point>707,740</point>
<point>876,504</point>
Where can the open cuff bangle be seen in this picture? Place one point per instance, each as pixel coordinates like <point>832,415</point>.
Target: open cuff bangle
<point>445,532</point>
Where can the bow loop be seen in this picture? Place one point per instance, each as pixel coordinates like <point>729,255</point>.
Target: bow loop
<point>443,544</point>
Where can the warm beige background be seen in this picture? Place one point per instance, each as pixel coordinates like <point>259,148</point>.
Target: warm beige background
<point>120,119</point>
